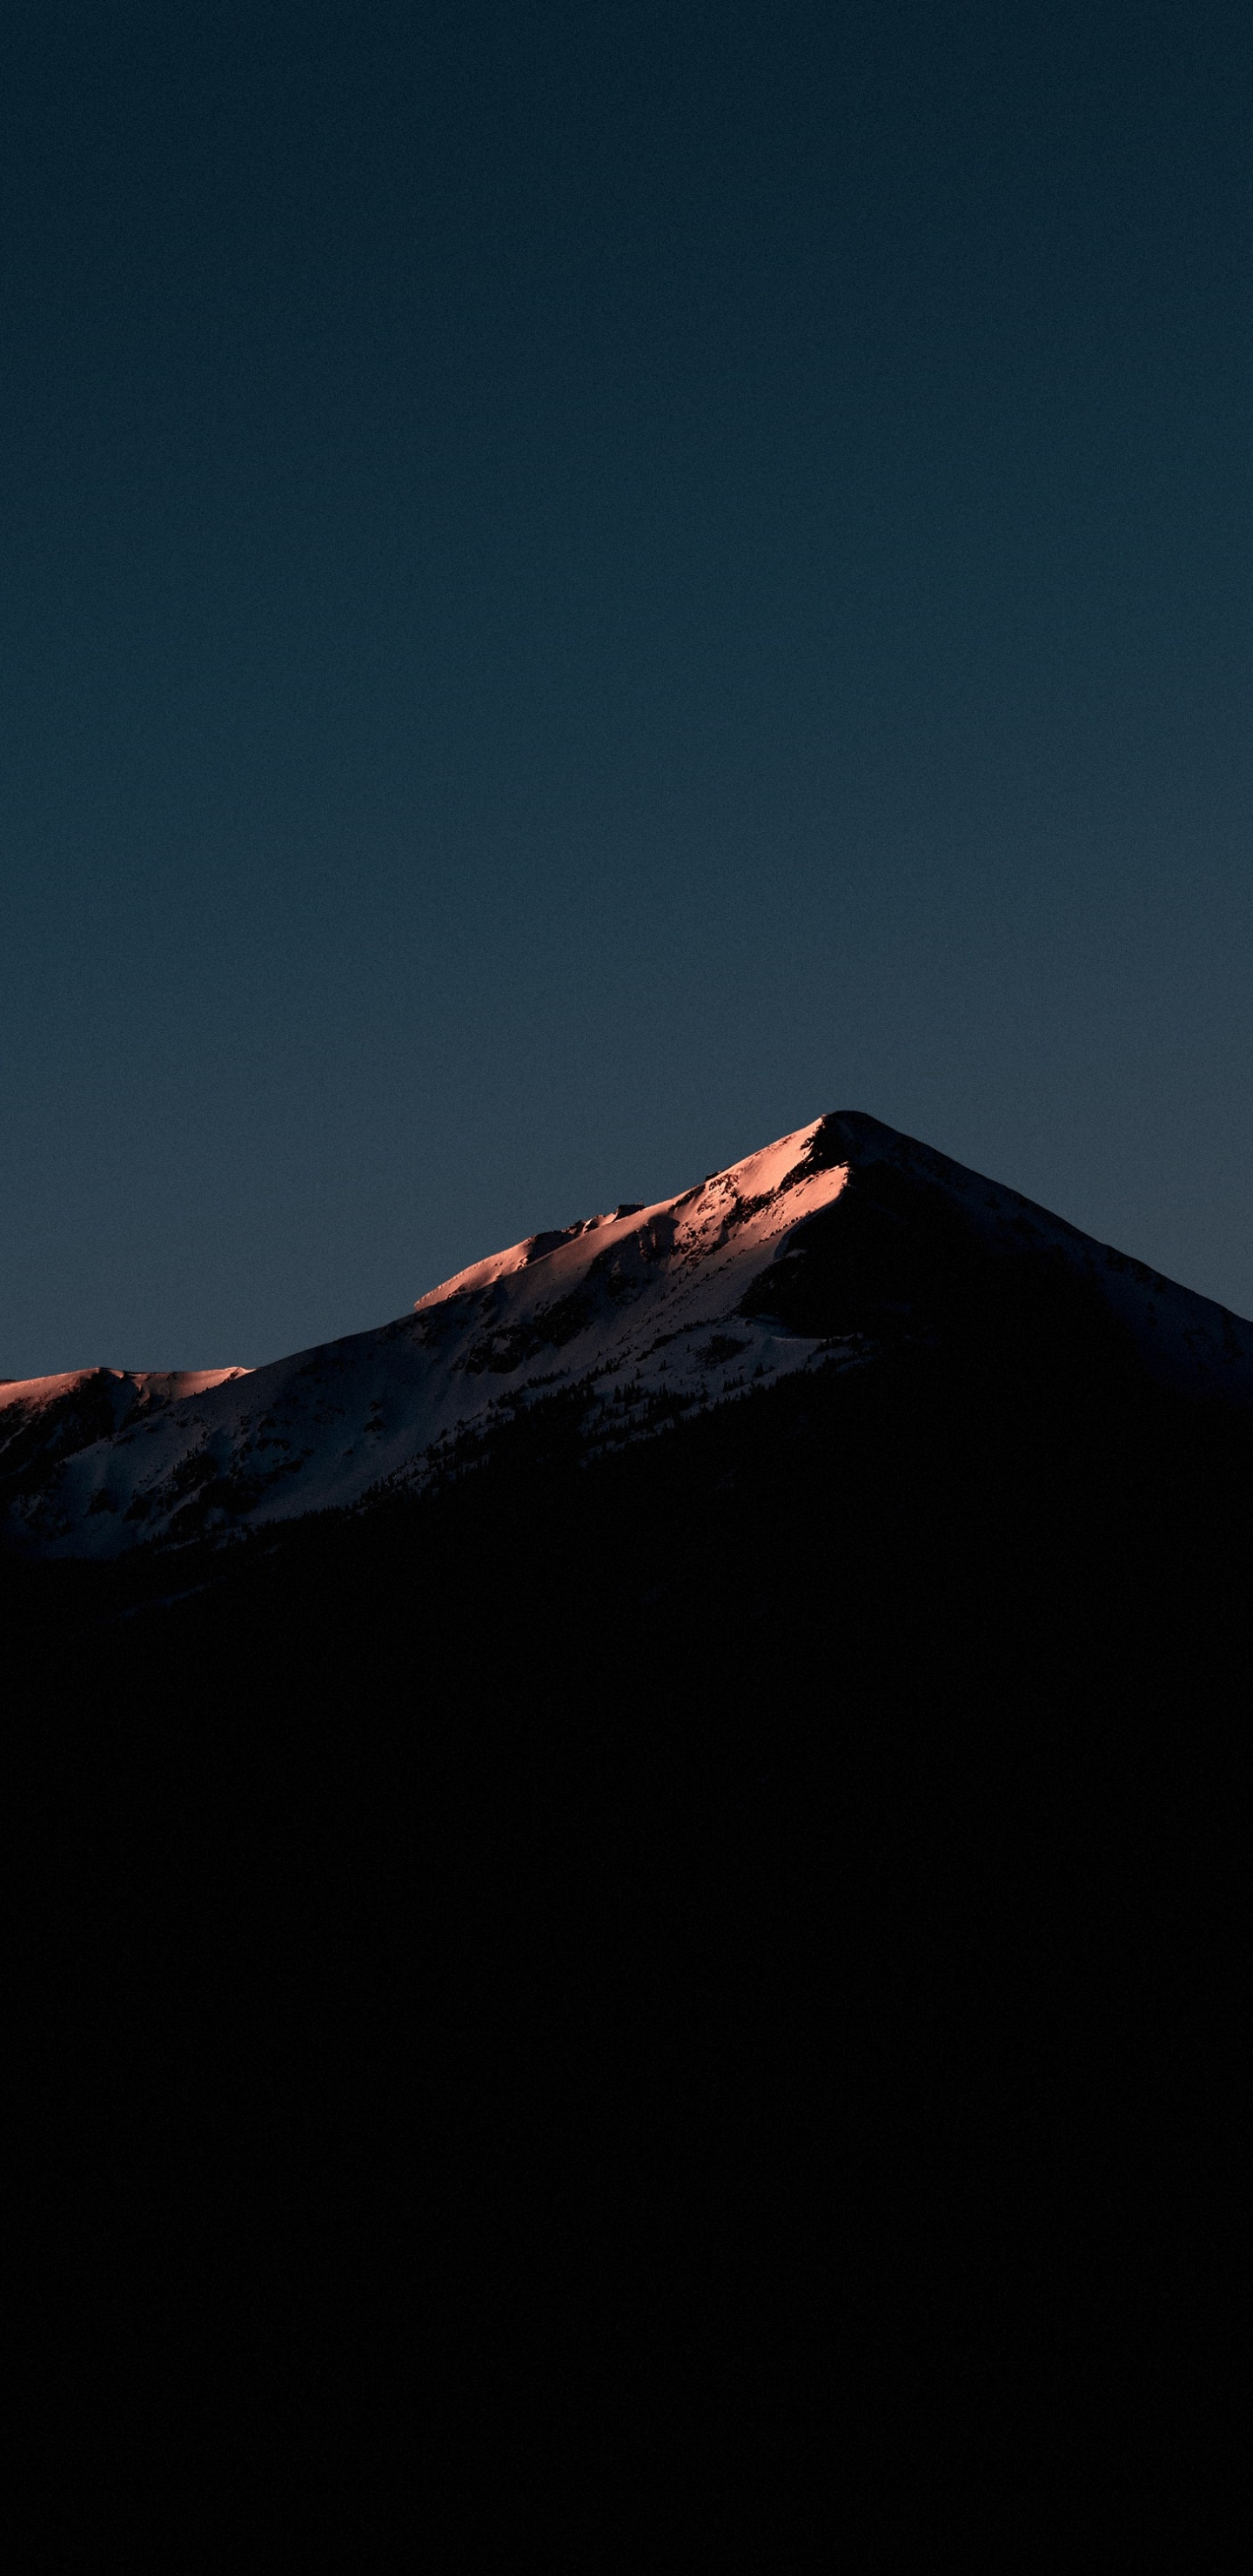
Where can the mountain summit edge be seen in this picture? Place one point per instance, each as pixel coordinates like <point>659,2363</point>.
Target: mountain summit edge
<point>829,1249</point>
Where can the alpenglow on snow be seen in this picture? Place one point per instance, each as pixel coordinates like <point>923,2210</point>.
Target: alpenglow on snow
<point>822,1251</point>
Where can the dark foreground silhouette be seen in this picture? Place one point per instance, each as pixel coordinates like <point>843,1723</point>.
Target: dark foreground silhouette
<point>704,1984</point>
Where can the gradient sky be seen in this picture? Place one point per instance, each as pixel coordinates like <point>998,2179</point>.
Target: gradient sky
<point>583,583</point>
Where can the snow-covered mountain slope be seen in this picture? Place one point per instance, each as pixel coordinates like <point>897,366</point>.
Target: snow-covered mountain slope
<point>821,1250</point>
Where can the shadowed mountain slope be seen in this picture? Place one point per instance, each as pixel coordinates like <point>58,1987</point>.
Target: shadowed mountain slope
<point>738,1928</point>
<point>832,1248</point>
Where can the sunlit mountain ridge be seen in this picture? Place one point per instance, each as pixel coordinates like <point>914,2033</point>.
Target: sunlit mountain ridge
<point>827,1250</point>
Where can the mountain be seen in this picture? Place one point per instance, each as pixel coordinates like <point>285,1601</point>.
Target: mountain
<point>828,1251</point>
<point>702,1900</point>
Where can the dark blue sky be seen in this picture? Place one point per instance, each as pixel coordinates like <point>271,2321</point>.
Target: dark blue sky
<point>583,583</point>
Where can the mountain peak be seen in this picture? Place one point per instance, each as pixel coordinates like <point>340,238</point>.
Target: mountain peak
<point>829,1248</point>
